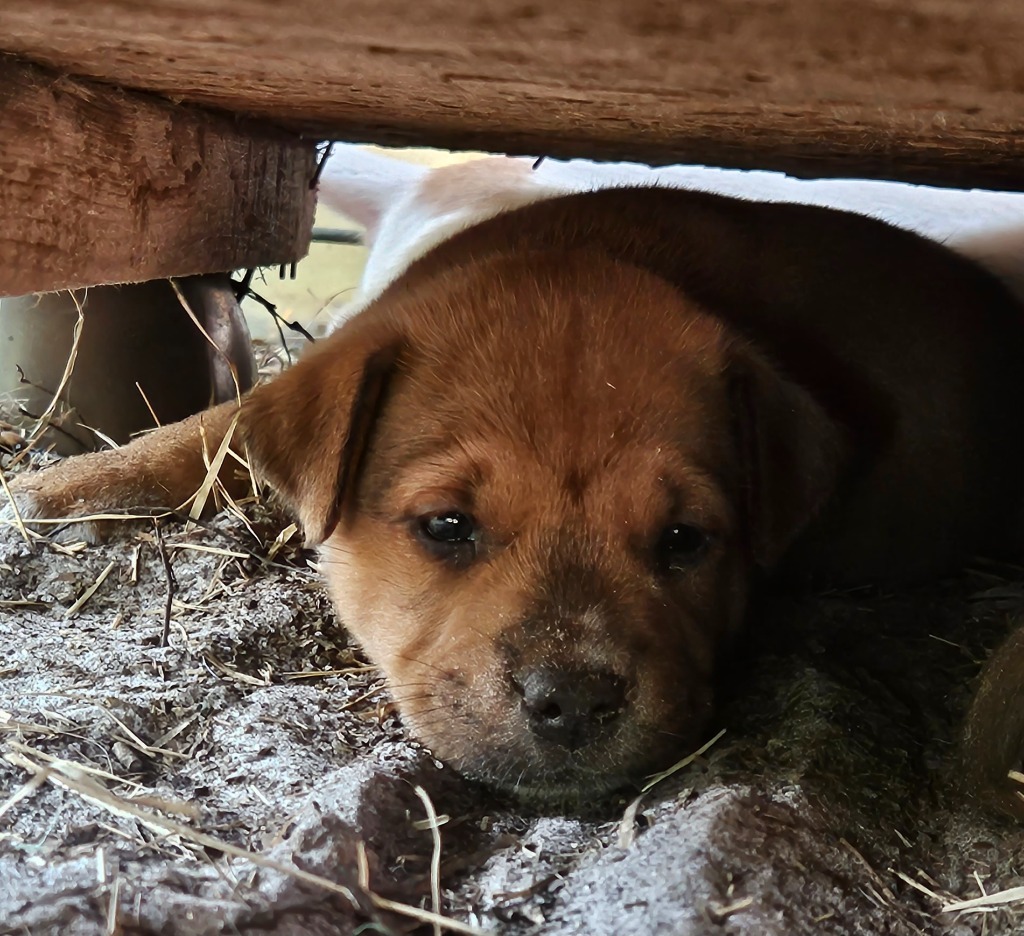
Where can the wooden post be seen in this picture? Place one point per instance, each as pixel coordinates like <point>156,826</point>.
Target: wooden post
<point>99,185</point>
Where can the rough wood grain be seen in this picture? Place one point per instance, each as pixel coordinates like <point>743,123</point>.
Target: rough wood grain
<point>101,186</point>
<point>921,90</point>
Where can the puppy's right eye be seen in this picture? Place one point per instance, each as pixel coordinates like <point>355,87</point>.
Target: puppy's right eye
<point>450,527</point>
<point>449,535</point>
<point>681,546</point>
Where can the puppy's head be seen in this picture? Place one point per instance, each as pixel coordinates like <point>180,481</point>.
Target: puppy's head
<point>540,484</point>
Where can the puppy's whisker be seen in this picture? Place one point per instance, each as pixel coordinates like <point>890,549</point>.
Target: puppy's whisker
<point>406,684</point>
<point>421,714</point>
<point>420,662</point>
<point>406,701</point>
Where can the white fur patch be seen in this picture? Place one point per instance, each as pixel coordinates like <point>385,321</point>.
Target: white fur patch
<point>408,209</point>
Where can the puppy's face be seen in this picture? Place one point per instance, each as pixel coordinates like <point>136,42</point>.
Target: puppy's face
<point>547,543</point>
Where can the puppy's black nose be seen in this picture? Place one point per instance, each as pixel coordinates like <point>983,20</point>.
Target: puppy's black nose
<point>570,707</point>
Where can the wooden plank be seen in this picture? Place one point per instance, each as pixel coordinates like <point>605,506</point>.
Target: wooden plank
<point>102,186</point>
<point>920,90</point>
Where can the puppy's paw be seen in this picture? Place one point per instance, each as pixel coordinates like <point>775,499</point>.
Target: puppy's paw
<point>155,473</point>
<point>57,501</point>
<point>52,506</point>
<point>993,740</point>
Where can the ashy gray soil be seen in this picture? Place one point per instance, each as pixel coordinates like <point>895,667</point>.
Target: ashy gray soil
<point>137,774</point>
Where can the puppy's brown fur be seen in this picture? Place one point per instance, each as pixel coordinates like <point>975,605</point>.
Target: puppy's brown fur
<point>776,387</point>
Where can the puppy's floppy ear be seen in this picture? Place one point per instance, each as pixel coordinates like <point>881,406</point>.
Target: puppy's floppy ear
<point>791,450</point>
<point>306,432</point>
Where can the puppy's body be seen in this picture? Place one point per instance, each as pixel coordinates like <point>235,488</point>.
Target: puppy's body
<point>546,461</point>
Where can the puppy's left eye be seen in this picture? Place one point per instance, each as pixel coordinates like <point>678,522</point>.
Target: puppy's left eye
<point>450,535</point>
<point>680,546</point>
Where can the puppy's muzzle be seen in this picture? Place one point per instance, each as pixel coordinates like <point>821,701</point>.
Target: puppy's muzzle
<point>571,708</point>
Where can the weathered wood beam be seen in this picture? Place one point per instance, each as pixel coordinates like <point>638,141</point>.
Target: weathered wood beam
<point>917,90</point>
<point>99,185</point>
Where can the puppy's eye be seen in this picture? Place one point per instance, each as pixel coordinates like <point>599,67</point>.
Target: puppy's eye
<point>450,535</point>
<point>680,546</point>
<point>451,527</point>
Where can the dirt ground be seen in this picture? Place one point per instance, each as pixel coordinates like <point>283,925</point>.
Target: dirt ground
<point>204,753</point>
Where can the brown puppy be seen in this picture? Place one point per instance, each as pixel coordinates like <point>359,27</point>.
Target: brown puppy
<point>545,464</point>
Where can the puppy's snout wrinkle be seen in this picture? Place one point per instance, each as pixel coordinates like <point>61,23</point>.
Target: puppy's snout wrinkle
<point>570,708</point>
